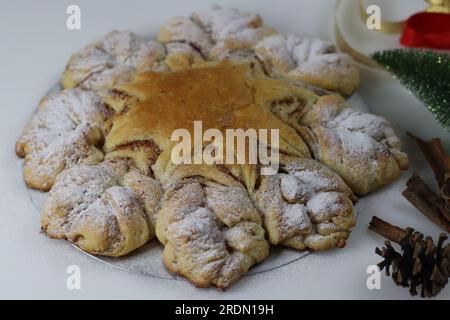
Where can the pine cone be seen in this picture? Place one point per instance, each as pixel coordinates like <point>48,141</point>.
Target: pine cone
<point>420,263</point>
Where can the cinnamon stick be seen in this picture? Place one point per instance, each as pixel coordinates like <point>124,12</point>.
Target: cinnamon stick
<point>387,230</point>
<point>439,161</point>
<point>427,202</point>
<point>445,191</point>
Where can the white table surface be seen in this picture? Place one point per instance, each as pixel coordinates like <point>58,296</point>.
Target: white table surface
<point>35,46</point>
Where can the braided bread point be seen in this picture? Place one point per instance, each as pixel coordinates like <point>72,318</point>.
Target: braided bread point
<point>182,56</point>
<point>305,206</point>
<point>308,59</point>
<point>216,31</point>
<point>112,60</point>
<point>211,231</point>
<point>184,30</point>
<point>361,147</point>
<point>65,131</point>
<point>103,209</point>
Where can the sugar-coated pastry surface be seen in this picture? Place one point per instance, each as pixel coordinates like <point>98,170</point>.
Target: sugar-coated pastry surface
<point>102,146</point>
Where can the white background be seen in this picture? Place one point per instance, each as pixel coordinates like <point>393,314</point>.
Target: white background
<point>34,47</point>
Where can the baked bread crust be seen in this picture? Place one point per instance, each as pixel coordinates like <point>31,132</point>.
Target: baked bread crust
<point>222,94</point>
<point>216,31</point>
<point>305,206</point>
<point>214,34</point>
<point>219,33</point>
<point>211,231</point>
<point>309,59</point>
<point>104,209</point>
<point>66,130</point>
<point>203,203</point>
<point>211,219</point>
<point>361,147</point>
<point>112,60</point>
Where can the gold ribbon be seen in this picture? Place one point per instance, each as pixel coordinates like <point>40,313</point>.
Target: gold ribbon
<point>441,6</point>
<point>343,45</point>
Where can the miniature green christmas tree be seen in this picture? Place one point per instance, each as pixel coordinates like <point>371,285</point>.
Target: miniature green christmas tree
<point>426,74</point>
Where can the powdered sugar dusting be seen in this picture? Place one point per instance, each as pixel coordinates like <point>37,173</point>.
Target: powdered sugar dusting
<point>206,240</point>
<point>295,53</point>
<point>323,205</point>
<point>93,207</point>
<point>295,220</point>
<point>61,134</point>
<point>183,29</point>
<point>222,23</point>
<point>295,202</point>
<point>216,31</point>
<point>108,60</point>
<point>378,128</point>
<point>355,144</point>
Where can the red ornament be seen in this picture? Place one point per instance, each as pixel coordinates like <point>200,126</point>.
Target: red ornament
<point>427,30</point>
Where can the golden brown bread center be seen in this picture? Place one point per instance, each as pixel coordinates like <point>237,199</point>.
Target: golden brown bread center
<point>222,95</point>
